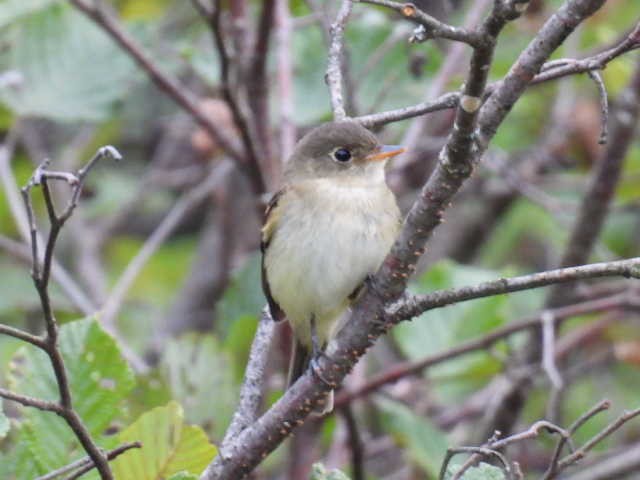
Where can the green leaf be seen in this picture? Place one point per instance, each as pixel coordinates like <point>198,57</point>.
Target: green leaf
<point>168,446</point>
<point>319,472</point>
<point>200,375</point>
<point>70,69</point>
<point>443,328</point>
<point>4,424</point>
<point>99,379</point>
<point>425,444</point>
<point>12,10</point>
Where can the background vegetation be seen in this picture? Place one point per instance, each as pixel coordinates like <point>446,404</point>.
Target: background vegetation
<point>162,251</point>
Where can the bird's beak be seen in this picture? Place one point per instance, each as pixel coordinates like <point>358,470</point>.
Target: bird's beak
<point>384,152</point>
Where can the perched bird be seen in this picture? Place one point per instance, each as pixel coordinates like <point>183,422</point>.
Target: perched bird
<point>328,228</point>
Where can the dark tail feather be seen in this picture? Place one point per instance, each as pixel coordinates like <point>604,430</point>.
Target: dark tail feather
<point>300,357</point>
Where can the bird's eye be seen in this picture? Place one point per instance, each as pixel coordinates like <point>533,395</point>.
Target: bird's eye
<point>342,155</point>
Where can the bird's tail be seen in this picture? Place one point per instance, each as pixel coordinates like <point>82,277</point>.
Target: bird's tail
<point>300,358</point>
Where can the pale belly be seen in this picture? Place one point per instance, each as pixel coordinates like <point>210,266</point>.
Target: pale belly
<point>314,274</point>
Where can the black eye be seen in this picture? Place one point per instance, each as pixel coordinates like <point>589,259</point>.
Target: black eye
<point>342,155</point>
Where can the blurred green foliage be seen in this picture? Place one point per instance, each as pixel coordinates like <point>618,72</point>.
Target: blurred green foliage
<point>71,75</point>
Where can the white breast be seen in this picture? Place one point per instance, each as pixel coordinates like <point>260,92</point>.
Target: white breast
<point>328,238</point>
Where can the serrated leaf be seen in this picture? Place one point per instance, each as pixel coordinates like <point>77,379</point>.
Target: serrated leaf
<point>425,444</point>
<point>168,446</point>
<point>70,69</point>
<point>99,379</point>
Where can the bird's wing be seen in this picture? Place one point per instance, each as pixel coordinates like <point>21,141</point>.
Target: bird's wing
<point>271,217</point>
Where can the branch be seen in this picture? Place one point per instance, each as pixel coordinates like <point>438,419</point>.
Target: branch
<point>22,335</point>
<point>239,117</point>
<point>367,320</point>
<point>614,466</point>
<point>85,464</point>
<point>590,444</point>
<point>27,401</point>
<point>405,369</point>
<point>334,63</point>
<point>602,185</point>
<point>250,393</point>
<point>41,277</point>
<point>550,71</point>
<point>71,289</point>
<point>415,305</point>
<point>432,28</point>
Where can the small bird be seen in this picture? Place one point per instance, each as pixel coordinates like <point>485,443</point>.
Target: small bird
<point>325,231</point>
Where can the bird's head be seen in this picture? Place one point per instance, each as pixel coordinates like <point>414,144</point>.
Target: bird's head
<point>340,150</point>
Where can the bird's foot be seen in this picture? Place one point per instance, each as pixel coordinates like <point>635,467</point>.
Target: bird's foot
<point>317,352</point>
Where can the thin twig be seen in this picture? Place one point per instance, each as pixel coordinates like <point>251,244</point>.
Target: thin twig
<point>285,79</point>
<point>31,401</point>
<point>585,417</point>
<point>86,464</point>
<point>41,277</point>
<point>335,59</point>
<point>405,369</point>
<point>432,28</point>
<point>22,335</point>
<point>250,392</point>
<point>590,444</point>
<point>412,306</point>
<point>548,350</point>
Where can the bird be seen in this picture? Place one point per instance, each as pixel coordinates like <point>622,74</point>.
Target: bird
<point>325,231</point>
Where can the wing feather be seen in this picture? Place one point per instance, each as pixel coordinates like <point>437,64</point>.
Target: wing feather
<point>271,217</point>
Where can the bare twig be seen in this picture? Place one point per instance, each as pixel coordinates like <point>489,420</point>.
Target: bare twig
<point>585,417</point>
<point>590,444</point>
<point>335,58</point>
<point>604,105</point>
<point>405,369</point>
<point>85,464</point>
<point>250,393</point>
<point>411,306</point>
<point>432,28</point>
<point>68,285</point>
<point>41,277</point>
<point>618,465</point>
<point>548,350</point>
<point>22,335</point>
<point>285,79</point>
<point>30,401</point>
<point>570,67</point>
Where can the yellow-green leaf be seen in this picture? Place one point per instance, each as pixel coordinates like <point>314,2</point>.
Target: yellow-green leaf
<point>168,446</point>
